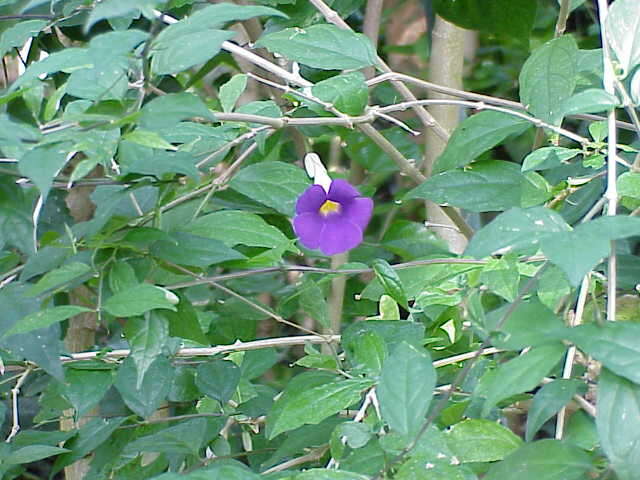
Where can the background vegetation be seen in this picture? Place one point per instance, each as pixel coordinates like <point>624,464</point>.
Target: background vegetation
<point>159,319</point>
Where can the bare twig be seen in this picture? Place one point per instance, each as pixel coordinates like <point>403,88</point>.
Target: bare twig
<point>612,191</point>
<point>571,352</point>
<point>15,391</point>
<point>314,455</point>
<point>563,15</point>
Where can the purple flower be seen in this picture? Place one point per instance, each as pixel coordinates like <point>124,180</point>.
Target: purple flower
<point>333,221</point>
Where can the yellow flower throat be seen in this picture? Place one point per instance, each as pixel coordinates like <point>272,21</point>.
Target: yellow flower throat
<point>329,207</point>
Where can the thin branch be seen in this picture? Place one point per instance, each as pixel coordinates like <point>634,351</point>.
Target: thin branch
<point>425,117</point>
<point>483,106</point>
<point>563,15</point>
<point>371,27</point>
<point>15,391</point>
<point>612,190</point>
<point>571,352</point>
<point>314,455</point>
<point>465,356</point>
<point>477,96</point>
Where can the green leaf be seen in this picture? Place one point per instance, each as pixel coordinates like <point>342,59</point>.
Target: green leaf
<point>18,34</point>
<point>617,420</point>
<point>519,375</point>
<point>477,134</point>
<point>44,318</point>
<point>629,185</point>
<point>59,277</point>
<point>479,440</point>
<point>548,77</point>
<point>120,8</point>
<point>548,459</point>
<point>484,186</point>
<point>144,401</point>
<point>370,351</point>
<point>138,300</point>
<point>186,249</point>
<point>66,60</point>
<point>146,336</point>
<point>347,92</point>
<point>184,438</point>
<point>552,286</point>
<point>167,111</point>
<point>184,322</point>
<point>313,303</point>
<point>218,379</point>
<point>147,138</point>
<point>163,162</point>
<point>196,39</point>
<point>388,308</point>
<point>42,164</point>
<point>85,388</point>
<point>594,240</point>
<point>321,46</point>
<point>530,324</point>
<point>390,282</point>
<point>613,344</point>
<point>623,33</point>
<point>404,400</point>
<point>512,18</point>
<point>230,92</point>
<point>33,453</point>
<point>548,157</point>
<point>274,184</point>
<point>547,402</point>
<point>514,230</point>
<point>312,405</point>
<point>236,227</point>
<point>392,332</point>
<point>592,100</point>
<point>502,277</point>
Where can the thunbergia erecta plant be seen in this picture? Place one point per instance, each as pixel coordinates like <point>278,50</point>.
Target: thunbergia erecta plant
<point>331,215</point>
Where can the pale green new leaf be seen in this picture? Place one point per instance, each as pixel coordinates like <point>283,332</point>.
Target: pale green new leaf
<point>230,92</point>
<point>480,440</point>
<point>623,33</point>
<point>138,300</point>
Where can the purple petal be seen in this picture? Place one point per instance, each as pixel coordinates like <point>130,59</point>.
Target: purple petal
<point>358,211</point>
<point>339,235</point>
<point>308,227</point>
<point>342,191</point>
<point>311,200</point>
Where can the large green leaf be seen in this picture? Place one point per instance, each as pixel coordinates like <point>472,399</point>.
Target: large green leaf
<point>618,422</point>
<point>184,438</point>
<point>17,35</point>
<point>85,388</point>
<point>578,251</point>
<point>196,39</point>
<point>138,300</point>
<point>623,33</point>
<point>44,318</point>
<point>274,184</point>
<point>155,386</point>
<point>325,474</point>
<point>322,46</point>
<point>218,379</point>
<point>406,388</point>
<point>548,157</point>
<point>477,134</point>
<point>33,453</point>
<point>519,375</point>
<point>347,92</point>
<point>513,18</point>
<point>484,186</point>
<point>235,227</point>
<point>187,249</point>
<point>516,229</point>
<point>547,402</point>
<point>59,277</point>
<point>548,77</point>
<point>146,336</point>
<point>479,440</point>
<point>42,164</point>
<point>548,459</point>
<point>66,60</point>
<point>314,404</point>
<point>168,110</point>
<point>120,8</point>
<point>614,344</point>
<point>592,100</point>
